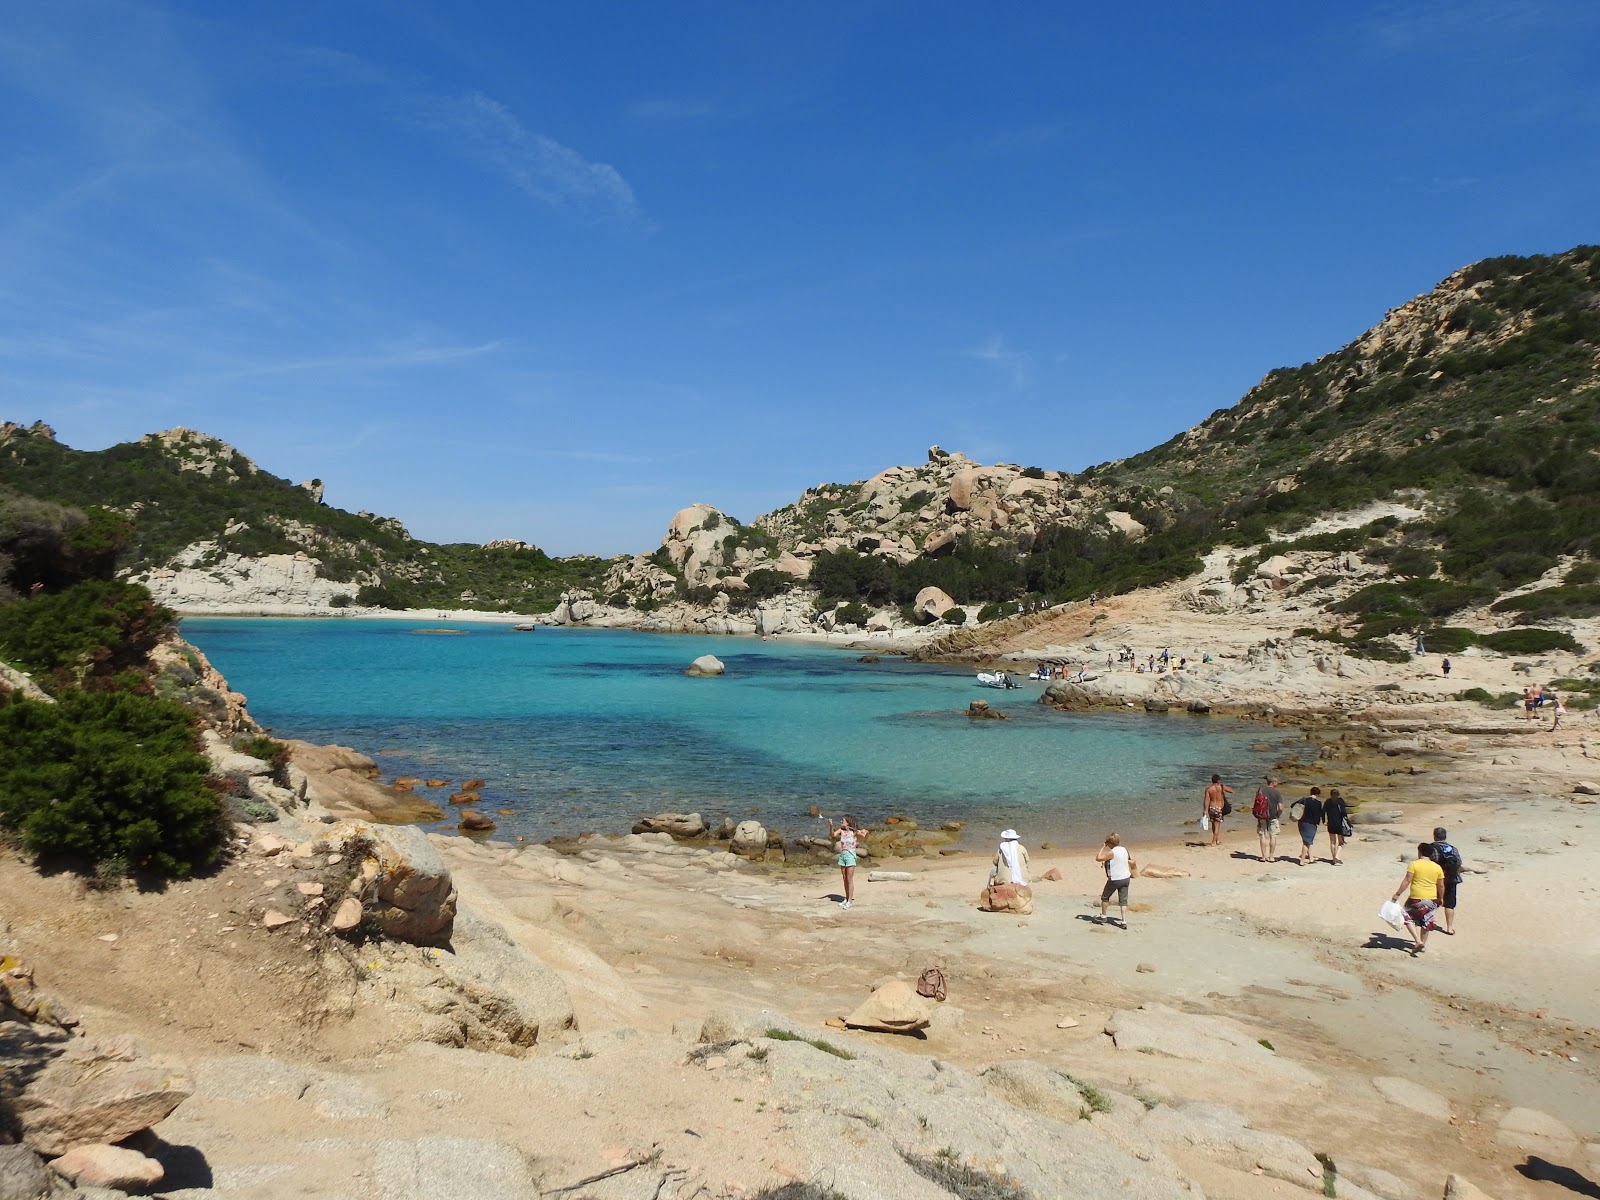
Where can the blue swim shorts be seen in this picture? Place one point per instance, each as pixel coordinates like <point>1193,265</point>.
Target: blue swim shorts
<point>847,858</point>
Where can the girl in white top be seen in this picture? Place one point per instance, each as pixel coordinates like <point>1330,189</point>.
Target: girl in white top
<point>1119,871</point>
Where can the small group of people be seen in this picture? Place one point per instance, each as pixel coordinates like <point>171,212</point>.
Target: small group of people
<point>1316,813</point>
<point>1535,698</point>
<point>1010,866</point>
<point>1429,887</point>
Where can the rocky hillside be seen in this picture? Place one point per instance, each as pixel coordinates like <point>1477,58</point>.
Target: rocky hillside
<point>204,526</point>
<point>1476,406</point>
<point>1473,410</point>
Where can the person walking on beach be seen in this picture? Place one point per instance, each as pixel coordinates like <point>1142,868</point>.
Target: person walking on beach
<point>1337,815</point>
<point>1268,812</point>
<point>1449,860</point>
<point>1445,666</point>
<point>1561,711</point>
<point>1119,872</point>
<point>846,835</point>
<point>1216,806</point>
<point>1423,887</point>
<point>1310,806</point>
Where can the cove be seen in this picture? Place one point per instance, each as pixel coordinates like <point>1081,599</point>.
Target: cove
<point>580,730</point>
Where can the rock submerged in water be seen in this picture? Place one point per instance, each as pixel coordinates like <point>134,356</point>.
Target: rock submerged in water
<point>979,710</point>
<point>706,666</point>
<point>476,821</point>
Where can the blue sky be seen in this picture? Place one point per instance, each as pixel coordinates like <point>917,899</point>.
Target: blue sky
<point>555,271</point>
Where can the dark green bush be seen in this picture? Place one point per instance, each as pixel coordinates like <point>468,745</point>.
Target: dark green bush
<point>1565,600</point>
<point>991,612</point>
<point>1530,641</point>
<point>382,595</point>
<point>102,776</point>
<point>1413,562</point>
<point>764,583</point>
<point>84,636</point>
<point>1447,639</point>
<point>1584,572</point>
<point>954,616</point>
<point>853,614</point>
<point>339,601</point>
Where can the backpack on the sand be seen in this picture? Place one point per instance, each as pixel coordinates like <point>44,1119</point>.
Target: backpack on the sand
<point>1260,810</point>
<point>931,984</point>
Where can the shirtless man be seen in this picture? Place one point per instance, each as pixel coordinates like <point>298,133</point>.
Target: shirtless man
<point>1212,807</point>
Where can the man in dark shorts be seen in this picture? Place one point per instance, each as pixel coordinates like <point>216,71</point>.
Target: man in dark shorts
<point>1448,857</point>
<point>1215,806</point>
<point>1267,826</point>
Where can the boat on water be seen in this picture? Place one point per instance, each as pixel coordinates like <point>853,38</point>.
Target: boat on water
<point>996,679</point>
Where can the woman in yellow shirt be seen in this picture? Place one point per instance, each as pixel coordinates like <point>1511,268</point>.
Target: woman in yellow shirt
<point>1423,887</point>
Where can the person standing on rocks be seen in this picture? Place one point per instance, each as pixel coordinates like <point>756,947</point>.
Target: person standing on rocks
<point>1310,806</point>
<point>1423,887</point>
<point>1268,812</point>
<point>1216,806</point>
<point>1119,873</point>
<point>846,835</point>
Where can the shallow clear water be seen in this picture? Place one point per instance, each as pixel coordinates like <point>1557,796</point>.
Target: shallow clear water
<point>587,729</point>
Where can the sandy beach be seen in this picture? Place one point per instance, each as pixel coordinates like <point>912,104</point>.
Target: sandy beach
<point>1407,1069</point>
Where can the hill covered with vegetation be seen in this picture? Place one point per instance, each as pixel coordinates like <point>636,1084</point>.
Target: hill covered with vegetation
<point>170,493</point>
<point>1477,403</point>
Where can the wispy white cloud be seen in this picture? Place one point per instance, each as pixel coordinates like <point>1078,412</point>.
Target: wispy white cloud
<point>1015,365</point>
<point>664,109</point>
<point>557,175</point>
<point>1446,25</point>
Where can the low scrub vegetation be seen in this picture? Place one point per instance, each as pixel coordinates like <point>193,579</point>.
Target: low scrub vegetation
<point>86,636</point>
<point>109,778</point>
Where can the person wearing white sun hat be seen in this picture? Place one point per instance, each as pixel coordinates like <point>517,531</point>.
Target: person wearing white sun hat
<point>1010,861</point>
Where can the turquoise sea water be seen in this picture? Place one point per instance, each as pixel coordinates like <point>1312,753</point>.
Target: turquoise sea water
<point>587,729</point>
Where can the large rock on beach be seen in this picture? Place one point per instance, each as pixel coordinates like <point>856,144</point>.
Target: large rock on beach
<point>706,666</point>
<point>94,1093</point>
<point>682,825</point>
<point>749,838</point>
<point>408,891</point>
<point>931,604</point>
<point>112,1167</point>
<point>344,781</point>
<point>894,1007</point>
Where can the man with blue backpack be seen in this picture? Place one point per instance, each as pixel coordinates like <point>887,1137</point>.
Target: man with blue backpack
<point>1449,858</point>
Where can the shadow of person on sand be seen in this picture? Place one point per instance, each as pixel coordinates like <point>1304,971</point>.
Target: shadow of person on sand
<point>1544,1171</point>
<point>1387,941</point>
<point>836,897</point>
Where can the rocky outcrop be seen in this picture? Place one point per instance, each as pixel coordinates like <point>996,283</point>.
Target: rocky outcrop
<point>679,825</point>
<point>343,781</point>
<point>404,886</point>
<point>205,579</point>
<point>931,604</point>
<point>893,1007</point>
<point>191,450</point>
<point>707,666</point>
<point>749,839</point>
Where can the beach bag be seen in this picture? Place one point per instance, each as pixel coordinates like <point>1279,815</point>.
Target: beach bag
<point>1392,914</point>
<point>1346,829</point>
<point>931,984</point>
<point>1227,806</point>
<point>1259,810</point>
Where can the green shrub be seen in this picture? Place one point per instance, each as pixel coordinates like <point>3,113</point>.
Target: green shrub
<point>1584,572</point>
<point>1033,472</point>
<point>1477,695</point>
<point>852,614</point>
<point>1413,562</point>
<point>1530,641</point>
<point>783,1035</point>
<point>954,616</point>
<point>1377,650</point>
<point>1447,639</point>
<point>764,583</point>
<point>1566,600</point>
<point>88,634</point>
<point>109,775</point>
<point>991,612</point>
<point>382,595</point>
<point>339,601</point>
